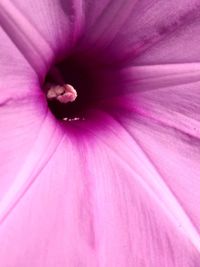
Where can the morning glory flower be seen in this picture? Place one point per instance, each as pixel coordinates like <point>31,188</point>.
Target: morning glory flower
<point>99,137</point>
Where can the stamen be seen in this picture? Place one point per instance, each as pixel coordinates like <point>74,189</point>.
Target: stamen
<point>63,93</point>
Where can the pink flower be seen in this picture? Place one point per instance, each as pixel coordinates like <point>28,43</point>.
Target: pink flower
<point>111,179</point>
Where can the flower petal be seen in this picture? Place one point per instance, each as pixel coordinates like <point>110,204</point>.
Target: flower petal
<point>59,22</point>
<point>17,78</point>
<point>166,127</point>
<point>93,211</point>
<point>153,31</point>
<point>24,122</point>
<point>171,30</point>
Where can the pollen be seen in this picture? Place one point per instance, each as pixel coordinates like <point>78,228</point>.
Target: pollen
<point>63,93</point>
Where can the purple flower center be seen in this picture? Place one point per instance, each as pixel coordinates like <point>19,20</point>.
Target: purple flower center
<point>78,75</point>
<point>91,75</point>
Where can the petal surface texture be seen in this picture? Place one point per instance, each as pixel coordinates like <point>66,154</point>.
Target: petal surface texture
<point>122,187</point>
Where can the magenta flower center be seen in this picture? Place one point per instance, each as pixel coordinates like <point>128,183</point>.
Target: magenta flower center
<point>80,82</point>
<point>71,90</point>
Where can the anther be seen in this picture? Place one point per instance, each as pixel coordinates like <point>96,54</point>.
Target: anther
<point>63,93</point>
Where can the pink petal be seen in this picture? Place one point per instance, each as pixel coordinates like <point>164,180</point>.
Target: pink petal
<point>152,31</point>
<point>59,22</point>
<point>26,38</point>
<point>103,210</point>
<point>165,127</point>
<point>17,78</point>
<point>167,32</point>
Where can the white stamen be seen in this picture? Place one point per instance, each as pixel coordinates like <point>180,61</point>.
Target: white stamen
<point>63,93</point>
<point>73,119</point>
